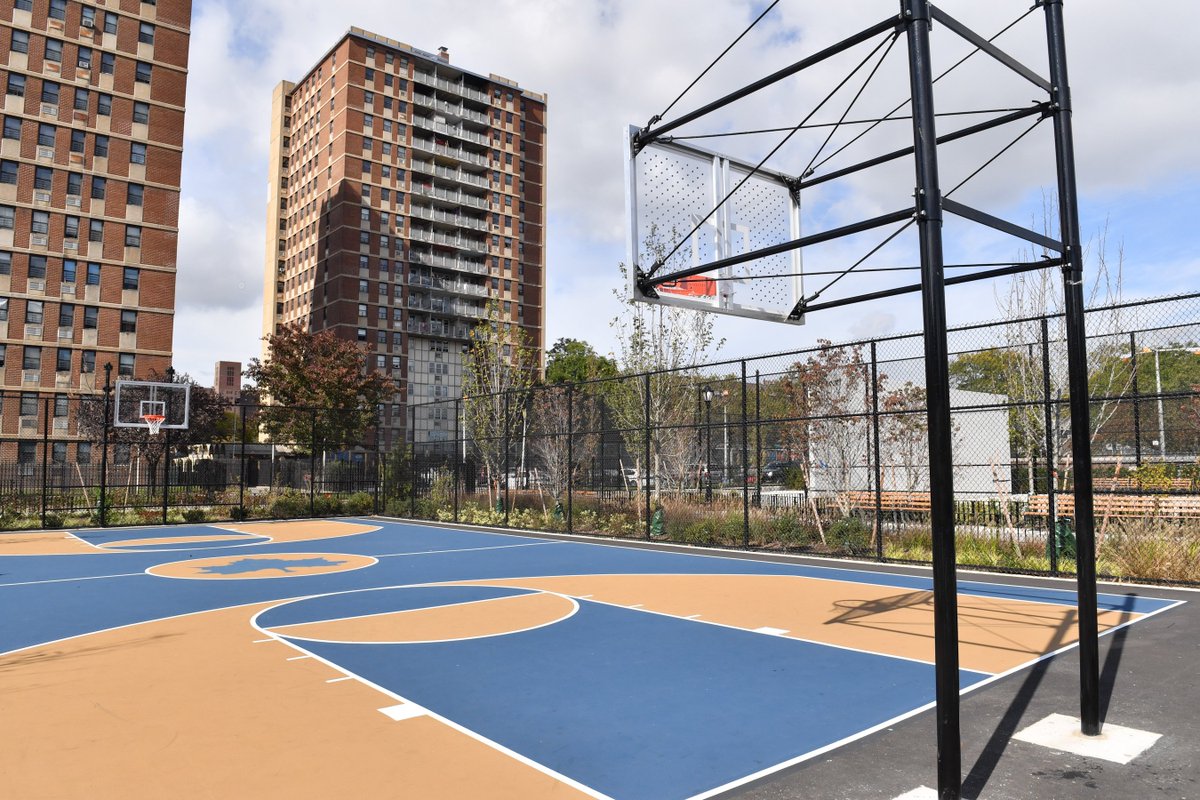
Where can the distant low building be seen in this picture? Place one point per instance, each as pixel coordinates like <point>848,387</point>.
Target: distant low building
<point>227,380</point>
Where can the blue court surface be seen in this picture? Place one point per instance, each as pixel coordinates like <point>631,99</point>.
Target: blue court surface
<point>578,658</point>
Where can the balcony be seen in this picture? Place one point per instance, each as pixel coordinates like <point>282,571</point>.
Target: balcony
<point>458,220</point>
<point>457,197</point>
<point>458,242</point>
<point>430,146</point>
<point>460,264</point>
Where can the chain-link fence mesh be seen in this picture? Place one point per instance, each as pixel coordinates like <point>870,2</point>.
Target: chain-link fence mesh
<point>824,450</point>
<point>821,450</point>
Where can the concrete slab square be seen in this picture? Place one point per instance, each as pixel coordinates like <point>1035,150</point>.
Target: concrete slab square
<point>1115,743</point>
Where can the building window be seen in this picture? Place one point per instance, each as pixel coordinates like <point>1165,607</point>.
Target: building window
<point>5,262</point>
<point>121,454</point>
<point>87,361</point>
<point>128,322</point>
<point>101,150</point>
<point>362,310</point>
<point>3,309</point>
<point>27,451</point>
<point>8,171</point>
<point>32,359</point>
<point>125,364</point>
<point>95,234</point>
<point>146,33</point>
<point>68,271</point>
<point>58,9</point>
<point>7,217</point>
<point>108,63</point>
<point>78,139</point>
<point>37,266</point>
<point>29,405</point>
<point>16,85</point>
<point>93,274</point>
<point>83,59</point>
<point>141,112</point>
<point>58,452</point>
<point>40,223</point>
<point>99,187</point>
<point>131,278</point>
<point>74,184</point>
<point>81,102</point>
<point>33,312</point>
<point>362,334</point>
<point>20,42</point>
<point>83,453</point>
<point>60,404</point>
<point>142,72</point>
<point>54,50</point>
<point>46,135</point>
<point>66,315</point>
<point>71,228</point>
<point>3,354</point>
<point>12,128</point>
<point>137,153</point>
<point>133,236</point>
<point>62,363</point>
<point>91,315</point>
<point>43,178</point>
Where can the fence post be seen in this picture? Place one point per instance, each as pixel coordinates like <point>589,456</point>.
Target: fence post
<point>45,456</point>
<point>242,462</point>
<point>645,476</point>
<point>1048,421</point>
<point>570,452</point>
<point>878,459</point>
<point>507,453</point>
<point>458,448</point>
<point>757,440</point>
<point>312,469</point>
<point>166,462</point>
<point>412,461</point>
<point>745,465</point>
<point>103,505</point>
<point>1137,410</point>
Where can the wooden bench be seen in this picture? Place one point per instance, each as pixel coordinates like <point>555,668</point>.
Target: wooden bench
<point>889,501</point>
<point>1140,506</point>
<point>1133,484</point>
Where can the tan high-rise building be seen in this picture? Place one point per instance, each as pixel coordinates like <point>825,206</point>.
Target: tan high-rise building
<point>89,203</point>
<point>227,380</point>
<point>404,193</point>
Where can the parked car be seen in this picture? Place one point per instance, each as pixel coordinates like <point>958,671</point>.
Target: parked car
<point>783,472</point>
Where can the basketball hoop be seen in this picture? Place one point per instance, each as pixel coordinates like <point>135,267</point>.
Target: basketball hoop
<point>153,422</point>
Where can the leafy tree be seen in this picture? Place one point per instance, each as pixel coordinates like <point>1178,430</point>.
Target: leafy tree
<point>575,361</point>
<point>563,435</point>
<point>317,373</point>
<point>498,370</point>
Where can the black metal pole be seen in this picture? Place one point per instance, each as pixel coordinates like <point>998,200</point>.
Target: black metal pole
<point>458,447</point>
<point>878,466</point>
<point>645,476</point>
<point>1077,371</point>
<point>166,462</point>
<point>570,451</point>
<point>1048,422</point>
<point>312,469</point>
<point>507,460</point>
<point>103,505</point>
<point>745,466</point>
<point>412,461</point>
<point>937,387</point>
<point>708,493</point>
<point>242,461</point>
<point>757,440</point>
<point>1137,410</point>
<point>45,456</point>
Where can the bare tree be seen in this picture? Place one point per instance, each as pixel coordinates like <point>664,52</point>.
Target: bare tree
<point>562,436</point>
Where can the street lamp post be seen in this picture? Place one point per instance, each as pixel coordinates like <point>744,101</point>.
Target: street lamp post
<point>1162,427</point>
<point>707,393</point>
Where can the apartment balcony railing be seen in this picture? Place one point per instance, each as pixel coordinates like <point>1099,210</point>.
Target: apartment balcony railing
<point>459,242</point>
<point>445,262</point>
<point>455,196</point>
<point>437,215</point>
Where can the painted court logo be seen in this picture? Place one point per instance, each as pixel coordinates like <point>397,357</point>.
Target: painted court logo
<point>274,565</point>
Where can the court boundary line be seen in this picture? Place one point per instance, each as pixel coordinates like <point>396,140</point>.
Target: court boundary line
<point>701,551</point>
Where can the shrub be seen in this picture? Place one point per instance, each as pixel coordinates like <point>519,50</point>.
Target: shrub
<point>850,535</point>
<point>359,503</point>
<point>237,513</point>
<point>194,515</point>
<point>327,505</point>
<point>290,505</point>
<point>53,520</point>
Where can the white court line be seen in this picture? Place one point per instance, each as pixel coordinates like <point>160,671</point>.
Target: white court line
<point>524,593</point>
<point>297,658</point>
<point>693,616</point>
<point>339,680</point>
<point>70,580</point>
<point>466,549</point>
<point>261,641</point>
<point>771,631</point>
<point>403,711</point>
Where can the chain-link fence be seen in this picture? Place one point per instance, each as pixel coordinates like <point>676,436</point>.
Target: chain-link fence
<point>70,467</point>
<point>824,450</point>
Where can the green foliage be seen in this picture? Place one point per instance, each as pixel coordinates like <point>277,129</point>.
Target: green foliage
<point>289,505</point>
<point>576,361</point>
<point>53,520</point>
<point>194,515</point>
<point>358,504</point>
<point>850,535</point>
<point>317,371</point>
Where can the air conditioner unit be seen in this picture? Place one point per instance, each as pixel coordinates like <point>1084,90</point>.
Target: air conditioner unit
<point>60,423</point>
<point>49,110</point>
<point>38,241</point>
<point>41,197</point>
<point>70,244</point>
<point>87,23</point>
<point>74,200</point>
<point>45,152</point>
<point>31,376</point>
<point>37,284</point>
<point>33,331</point>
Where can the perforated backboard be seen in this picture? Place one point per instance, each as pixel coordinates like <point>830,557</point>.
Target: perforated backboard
<point>132,400</point>
<point>671,188</point>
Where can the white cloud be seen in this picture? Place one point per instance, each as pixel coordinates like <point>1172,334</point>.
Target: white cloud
<point>606,63</point>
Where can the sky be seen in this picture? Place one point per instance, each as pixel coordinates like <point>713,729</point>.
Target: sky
<point>606,64</point>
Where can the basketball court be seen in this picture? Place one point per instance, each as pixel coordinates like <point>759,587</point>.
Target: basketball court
<point>310,658</point>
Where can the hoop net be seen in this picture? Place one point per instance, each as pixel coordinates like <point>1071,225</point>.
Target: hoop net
<point>153,422</point>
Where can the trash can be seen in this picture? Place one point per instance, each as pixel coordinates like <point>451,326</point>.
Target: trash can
<point>1064,538</point>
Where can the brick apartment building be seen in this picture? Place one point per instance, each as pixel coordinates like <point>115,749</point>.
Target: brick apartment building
<point>90,158</point>
<point>405,192</point>
<point>227,380</point>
